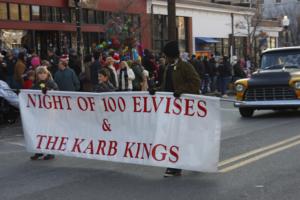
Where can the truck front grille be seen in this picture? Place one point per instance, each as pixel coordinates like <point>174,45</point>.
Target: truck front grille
<point>268,94</point>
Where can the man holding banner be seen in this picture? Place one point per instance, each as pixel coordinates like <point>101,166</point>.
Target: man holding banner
<point>179,77</point>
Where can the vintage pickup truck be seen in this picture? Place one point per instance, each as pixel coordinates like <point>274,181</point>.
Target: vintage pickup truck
<point>275,85</point>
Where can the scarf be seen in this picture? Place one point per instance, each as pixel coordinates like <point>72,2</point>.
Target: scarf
<point>123,76</point>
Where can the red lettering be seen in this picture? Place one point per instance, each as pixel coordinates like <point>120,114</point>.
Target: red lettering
<point>41,137</point>
<point>77,144</point>
<point>128,149</point>
<point>112,148</point>
<point>90,148</point>
<point>112,104</point>
<point>48,104</point>
<point>136,104</point>
<point>147,150</point>
<point>155,105</point>
<point>168,105</point>
<point>82,103</point>
<point>32,100</point>
<point>121,104</point>
<point>67,98</point>
<point>101,146</point>
<point>146,105</point>
<point>138,150</point>
<point>92,103</point>
<point>53,142</point>
<point>202,107</point>
<point>189,107</point>
<point>174,151</point>
<point>177,106</point>
<point>57,100</point>
<point>63,143</point>
<point>163,155</point>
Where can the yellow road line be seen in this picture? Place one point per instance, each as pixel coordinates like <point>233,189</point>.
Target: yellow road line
<point>258,157</point>
<point>256,151</point>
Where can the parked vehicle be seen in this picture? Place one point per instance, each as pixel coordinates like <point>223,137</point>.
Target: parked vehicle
<point>275,85</point>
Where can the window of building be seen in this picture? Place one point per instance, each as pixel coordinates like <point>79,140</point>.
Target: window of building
<point>66,15</point>
<point>35,13</point>
<point>85,16</point>
<point>56,14</point>
<point>25,13</point>
<point>46,14</point>
<point>73,15</point>
<point>3,11</point>
<point>14,11</point>
<point>91,17</point>
<point>100,17</point>
<point>277,1</point>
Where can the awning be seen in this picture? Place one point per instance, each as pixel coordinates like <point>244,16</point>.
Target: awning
<point>206,40</point>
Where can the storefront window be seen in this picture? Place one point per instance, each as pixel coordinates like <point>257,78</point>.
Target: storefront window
<point>85,16</point>
<point>100,17</point>
<point>65,15</point>
<point>56,14</point>
<point>3,11</point>
<point>14,11</point>
<point>181,33</point>
<point>46,14</point>
<point>273,42</point>
<point>91,17</point>
<point>35,13</point>
<point>25,13</point>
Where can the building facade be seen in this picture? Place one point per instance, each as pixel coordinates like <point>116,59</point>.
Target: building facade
<point>211,27</point>
<point>277,9</point>
<point>40,25</point>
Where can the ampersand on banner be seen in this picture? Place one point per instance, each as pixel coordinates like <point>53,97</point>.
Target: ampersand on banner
<point>106,125</point>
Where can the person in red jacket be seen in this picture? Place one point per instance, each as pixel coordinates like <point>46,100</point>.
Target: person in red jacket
<point>28,83</point>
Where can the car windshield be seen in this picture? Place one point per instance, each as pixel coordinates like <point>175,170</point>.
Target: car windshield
<point>281,59</point>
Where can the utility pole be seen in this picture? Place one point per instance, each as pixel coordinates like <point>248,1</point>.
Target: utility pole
<point>172,31</point>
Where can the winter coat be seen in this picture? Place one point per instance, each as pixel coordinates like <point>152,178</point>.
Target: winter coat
<point>94,69</point>
<point>67,80</point>
<point>75,64</point>
<point>185,79</point>
<point>126,76</point>
<point>20,68</point>
<point>225,69</point>
<point>104,87</point>
<point>49,84</point>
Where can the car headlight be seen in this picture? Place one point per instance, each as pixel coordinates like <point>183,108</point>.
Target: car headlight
<point>297,85</point>
<point>240,87</point>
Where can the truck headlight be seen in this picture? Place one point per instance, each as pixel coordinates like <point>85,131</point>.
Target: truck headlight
<point>297,85</point>
<point>241,88</point>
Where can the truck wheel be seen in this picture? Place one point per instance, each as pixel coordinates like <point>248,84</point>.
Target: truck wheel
<point>246,112</point>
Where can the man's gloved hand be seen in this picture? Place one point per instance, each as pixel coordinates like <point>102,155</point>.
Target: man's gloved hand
<point>176,94</point>
<point>44,90</point>
<point>152,91</point>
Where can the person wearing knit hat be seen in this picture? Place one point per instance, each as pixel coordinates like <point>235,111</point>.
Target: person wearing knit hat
<point>171,49</point>
<point>179,77</point>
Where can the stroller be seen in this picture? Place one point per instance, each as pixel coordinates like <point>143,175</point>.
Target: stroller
<point>9,104</point>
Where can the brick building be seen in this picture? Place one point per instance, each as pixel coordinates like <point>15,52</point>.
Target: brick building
<point>39,24</point>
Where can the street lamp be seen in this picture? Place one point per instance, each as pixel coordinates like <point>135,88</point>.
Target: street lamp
<point>285,24</point>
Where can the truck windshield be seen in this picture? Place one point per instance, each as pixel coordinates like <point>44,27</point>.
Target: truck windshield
<point>281,59</point>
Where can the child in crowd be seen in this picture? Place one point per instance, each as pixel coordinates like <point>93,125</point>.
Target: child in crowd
<point>104,84</point>
<point>28,83</point>
<point>44,82</point>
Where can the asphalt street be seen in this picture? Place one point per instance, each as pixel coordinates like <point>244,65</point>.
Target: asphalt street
<point>259,161</point>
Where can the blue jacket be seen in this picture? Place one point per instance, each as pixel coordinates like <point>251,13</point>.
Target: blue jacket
<point>67,80</point>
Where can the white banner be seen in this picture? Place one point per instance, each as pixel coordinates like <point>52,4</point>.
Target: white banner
<point>131,127</point>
